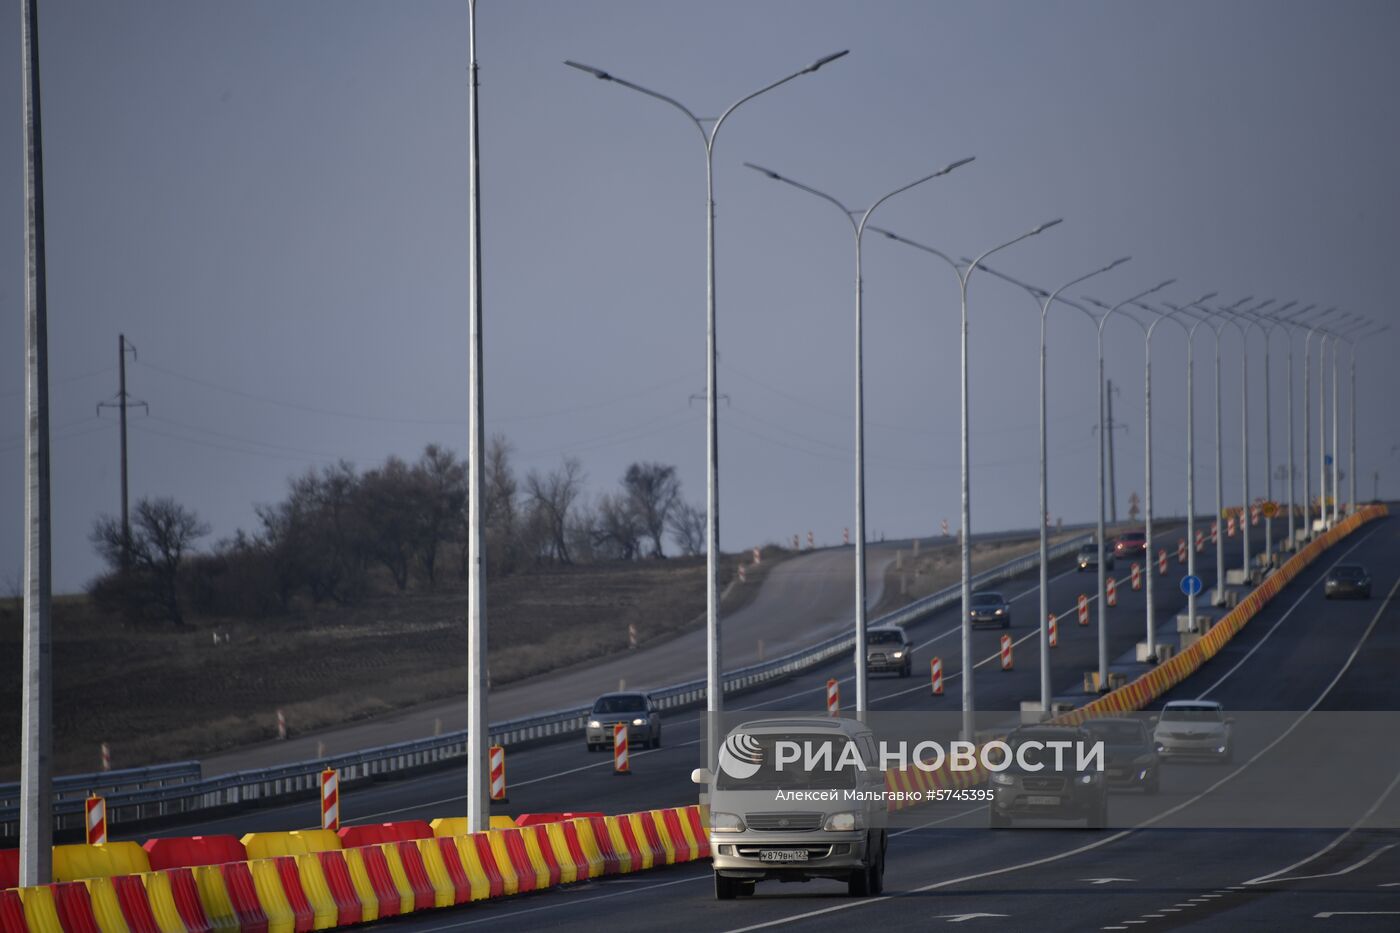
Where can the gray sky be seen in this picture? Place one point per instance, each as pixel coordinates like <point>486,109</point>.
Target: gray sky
<point>269,199</point>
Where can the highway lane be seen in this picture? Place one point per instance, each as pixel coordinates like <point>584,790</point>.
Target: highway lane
<point>1053,880</point>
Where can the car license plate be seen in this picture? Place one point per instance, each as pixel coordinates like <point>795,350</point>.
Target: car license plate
<point>782,855</point>
<point>1043,801</point>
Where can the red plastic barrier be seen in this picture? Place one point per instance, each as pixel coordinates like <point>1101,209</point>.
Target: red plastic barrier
<point>652,837</point>
<point>519,860</point>
<point>302,910</point>
<point>186,894</point>
<point>551,861</point>
<point>684,851</point>
<point>611,863</point>
<point>387,893</point>
<point>74,908</point>
<point>629,839</point>
<point>496,883</point>
<point>12,912</point>
<point>188,851</point>
<point>699,831</point>
<point>348,908</point>
<point>375,834</point>
<point>243,896</point>
<point>424,894</point>
<point>9,868</point>
<point>135,904</point>
<point>576,855</point>
<point>531,819</point>
<point>456,871</point>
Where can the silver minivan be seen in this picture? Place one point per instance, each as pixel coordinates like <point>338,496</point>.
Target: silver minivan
<point>774,819</point>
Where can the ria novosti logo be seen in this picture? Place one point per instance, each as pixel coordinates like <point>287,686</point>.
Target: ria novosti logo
<point>741,756</point>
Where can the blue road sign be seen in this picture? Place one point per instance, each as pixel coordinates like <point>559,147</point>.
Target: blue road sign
<point>1191,585</point>
<point>1327,459</point>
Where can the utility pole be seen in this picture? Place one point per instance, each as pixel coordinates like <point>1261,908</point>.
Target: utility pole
<point>36,726</point>
<point>1109,427</point>
<point>122,402</point>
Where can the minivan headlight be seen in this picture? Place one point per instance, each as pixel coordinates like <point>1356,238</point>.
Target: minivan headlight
<point>898,654</point>
<point>639,722</point>
<point>594,724</point>
<point>726,823</point>
<point>841,823</point>
<point>1000,611</point>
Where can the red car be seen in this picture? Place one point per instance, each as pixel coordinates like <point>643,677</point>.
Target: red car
<point>1130,542</point>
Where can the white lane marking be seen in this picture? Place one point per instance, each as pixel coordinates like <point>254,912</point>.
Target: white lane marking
<point>1335,874</point>
<point>1122,834</point>
<point>1226,676</point>
<point>1356,913</point>
<point>1105,880</point>
<point>962,918</point>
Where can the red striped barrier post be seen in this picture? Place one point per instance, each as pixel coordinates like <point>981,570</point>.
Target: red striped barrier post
<point>96,810</point>
<point>1054,631</point>
<point>845,536</point>
<point>1112,592</point>
<point>621,763</point>
<point>743,577</point>
<point>1006,660</point>
<point>106,751</point>
<point>811,541</point>
<point>943,526</point>
<point>935,670</point>
<point>1181,551</point>
<point>833,698</point>
<point>1230,527</point>
<point>497,759</point>
<point>1254,514</point>
<point>1200,541</point>
<point>757,556</point>
<point>1083,609</point>
<point>281,724</point>
<point>1162,562</point>
<point>1137,576</point>
<point>1214,532</point>
<point>330,799</point>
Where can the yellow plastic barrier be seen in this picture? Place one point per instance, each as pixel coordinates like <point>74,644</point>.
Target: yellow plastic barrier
<point>318,891</point>
<point>444,891</point>
<point>501,822</point>
<point>106,909</point>
<point>162,898</point>
<point>213,894</point>
<point>503,862</point>
<point>271,895</point>
<point>449,826</point>
<point>588,842</point>
<point>619,844</point>
<point>471,863</point>
<point>568,871</point>
<point>296,842</point>
<point>537,858</point>
<point>359,877</point>
<point>76,862</point>
<point>688,831</point>
<point>40,914</point>
<point>658,819</point>
<point>396,872</point>
<point>640,836</point>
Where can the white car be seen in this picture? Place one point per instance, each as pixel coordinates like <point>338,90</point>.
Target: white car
<point>1194,728</point>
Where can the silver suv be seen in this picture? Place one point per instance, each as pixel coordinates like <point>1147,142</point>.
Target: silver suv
<point>1194,729</point>
<point>775,819</point>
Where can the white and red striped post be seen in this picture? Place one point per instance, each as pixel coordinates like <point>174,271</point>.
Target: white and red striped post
<point>330,799</point>
<point>944,526</point>
<point>106,751</point>
<point>281,724</point>
<point>1181,551</point>
<point>1006,660</point>
<point>1254,514</point>
<point>96,809</point>
<point>796,543</point>
<point>1162,562</point>
<point>935,671</point>
<point>845,536</point>
<point>1083,609</point>
<point>758,555</point>
<point>1200,541</point>
<point>632,626</point>
<point>1054,631</point>
<point>743,576</point>
<point>1112,592</point>
<point>497,759</point>
<point>833,698</point>
<point>1230,527</point>
<point>621,762</point>
<point>1137,576</point>
<point>1214,532</point>
<point>811,541</point>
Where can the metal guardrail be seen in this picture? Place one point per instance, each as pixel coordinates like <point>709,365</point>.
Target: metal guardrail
<point>110,782</point>
<point>247,787</point>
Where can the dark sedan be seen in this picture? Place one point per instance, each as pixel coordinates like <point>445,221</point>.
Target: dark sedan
<point>1088,558</point>
<point>1130,753</point>
<point>990,609</point>
<point>1348,580</point>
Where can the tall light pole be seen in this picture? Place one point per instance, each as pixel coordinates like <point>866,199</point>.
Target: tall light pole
<point>1103,608</point>
<point>1225,318</point>
<point>714,674</point>
<point>1242,319</point>
<point>1342,321</point>
<point>1351,346</point>
<point>858,229</point>
<point>1359,324</point>
<point>1267,324</point>
<point>36,714</point>
<point>964,275</point>
<point>1315,327</point>
<point>1288,324</point>
<point>1044,305</point>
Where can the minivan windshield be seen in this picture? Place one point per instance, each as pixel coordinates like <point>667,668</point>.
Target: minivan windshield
<point>632,703</point>
<point>795,775</point>
<point>884,638</point>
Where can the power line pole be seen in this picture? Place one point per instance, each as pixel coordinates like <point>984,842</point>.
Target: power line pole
<point>1112,482</point>
<point>36,742</point>
<point>122,403</point>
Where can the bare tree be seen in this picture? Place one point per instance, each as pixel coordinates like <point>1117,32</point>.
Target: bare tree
<point>654,489</point>
<point>687,526</point>
<point>162,533</point>
<point>440,482</point>
<point>500,512</point>
<point>552,496</point>
<point>387,506</point>
<point>618,529</point>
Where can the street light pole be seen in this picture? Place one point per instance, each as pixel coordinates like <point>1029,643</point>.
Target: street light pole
<point>1351,346</point>
<point>1359,324</point>
<point>1307,421</point>
<point>1288,325</point>
<point>858,229</point>
<point>714,687</point>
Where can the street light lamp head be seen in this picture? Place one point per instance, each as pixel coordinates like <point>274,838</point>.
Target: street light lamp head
<point>1046,226</point>
<point>952,165</point>
<point>1204,298</point>
<point>825,61</point>
<point>598,73</point>
<point>765,171</point>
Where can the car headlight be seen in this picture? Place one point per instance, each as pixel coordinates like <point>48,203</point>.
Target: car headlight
<point>1001,777</point>
<point>1088,778</point>
<point>898,654</point>
<point>594,724</point>
<point>1000,611</point>
<point>726,823</point>
<point>841,823</point>
<point>639,722</point>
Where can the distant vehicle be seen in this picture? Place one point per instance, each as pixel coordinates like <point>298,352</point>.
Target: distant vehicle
<point>1194,728</point>
<point>887,648</point>
<point>1349,580</point>
<point>990,608</point>
<point>1088,558</point>
<point>1130,543</point>
<point>634,710</point>
<point>1048,794</point>
<point>1130,753</point>
<point>833,828</point>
